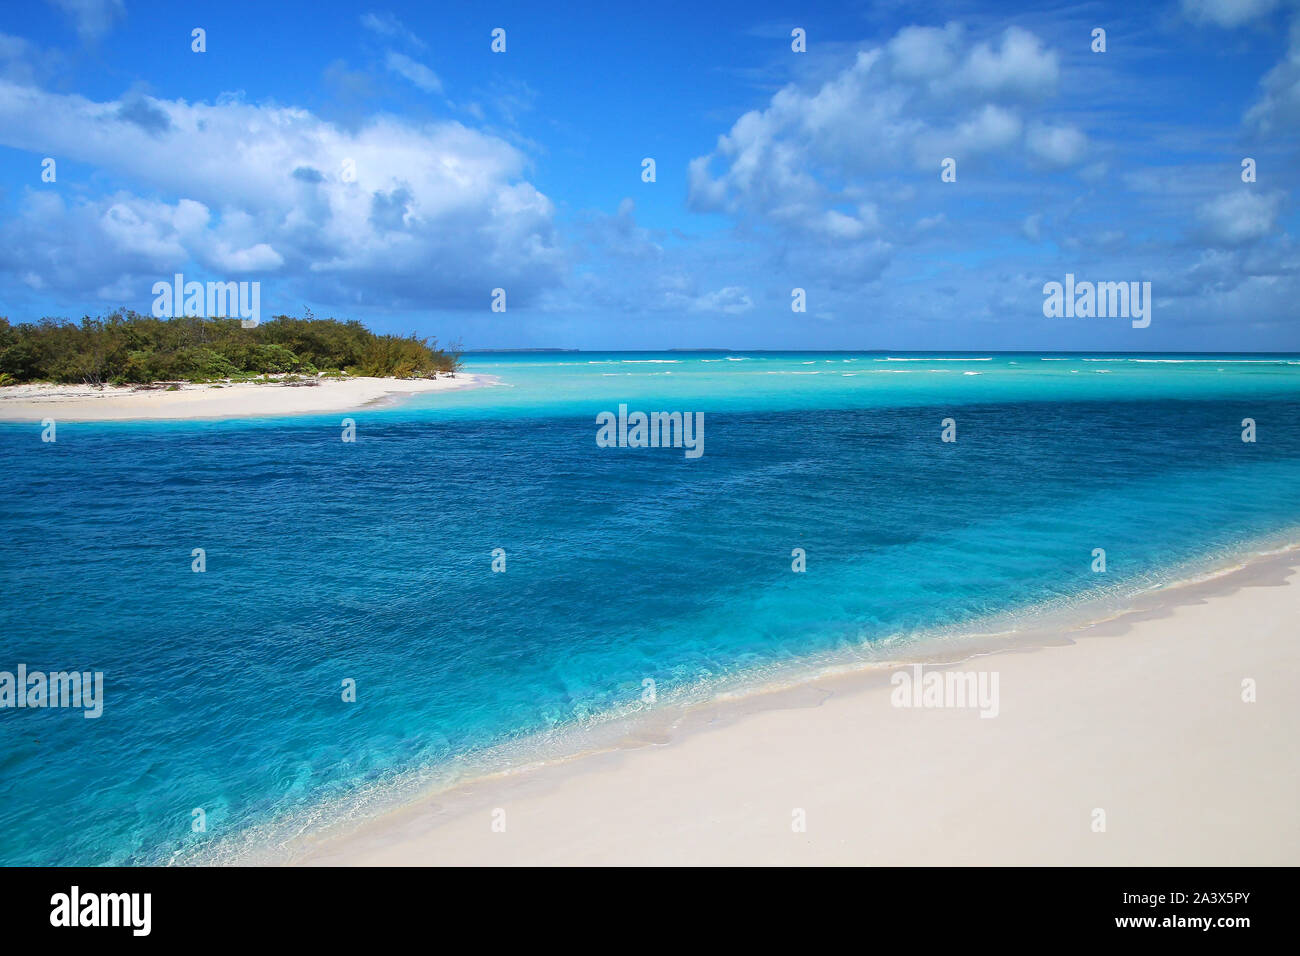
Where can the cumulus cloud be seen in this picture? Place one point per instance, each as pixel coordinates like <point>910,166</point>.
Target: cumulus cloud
<point>924,53</point>
<point>392,214</point>
<point>677,293</point>
<point>731,300</point>
<point>815,164</point>
<point>943,63</point>
<point>1019,65</point>
<point>1057,145</point>
<point>1240,217</point>
<point>992,128</point>
<point>115,247</point>
<point>927,94</point>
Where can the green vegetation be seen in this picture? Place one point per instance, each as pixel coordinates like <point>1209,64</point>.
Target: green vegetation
<point>129,348</point>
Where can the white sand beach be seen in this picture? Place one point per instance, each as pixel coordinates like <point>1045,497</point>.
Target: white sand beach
<point>85,403</point>
<point>1141,717</point>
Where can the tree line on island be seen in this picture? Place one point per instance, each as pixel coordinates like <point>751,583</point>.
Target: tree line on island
<point>127,348</point>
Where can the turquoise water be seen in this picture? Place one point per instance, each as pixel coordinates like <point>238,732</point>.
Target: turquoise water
<point>372,561</point>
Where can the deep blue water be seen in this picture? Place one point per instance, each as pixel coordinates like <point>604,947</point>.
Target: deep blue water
<point>372,560</point>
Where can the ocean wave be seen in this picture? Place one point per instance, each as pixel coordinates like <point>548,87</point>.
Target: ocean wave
<point>1165,361</point>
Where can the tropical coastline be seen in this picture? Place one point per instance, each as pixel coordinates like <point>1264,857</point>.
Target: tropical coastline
<point>541,684</point>
<point>126,366</point>
<point>1172,766</point>
<point>433,816</point>
<point>837,437</point>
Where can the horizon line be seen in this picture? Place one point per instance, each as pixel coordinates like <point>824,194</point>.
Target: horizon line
<point>481,351</point>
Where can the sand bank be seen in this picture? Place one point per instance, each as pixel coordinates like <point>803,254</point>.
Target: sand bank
<point>84,403</point>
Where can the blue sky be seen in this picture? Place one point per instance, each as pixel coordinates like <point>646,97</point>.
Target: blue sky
<point>382,163</point>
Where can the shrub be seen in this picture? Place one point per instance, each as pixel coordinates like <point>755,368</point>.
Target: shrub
<point>129,348</point>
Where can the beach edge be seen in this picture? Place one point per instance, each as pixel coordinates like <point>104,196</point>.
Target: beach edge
<point>1226,622</point>
<point>26,404</point>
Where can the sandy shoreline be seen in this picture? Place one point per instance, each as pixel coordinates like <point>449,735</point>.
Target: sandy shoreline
<point>1140,716</point>
<point>84,403</point>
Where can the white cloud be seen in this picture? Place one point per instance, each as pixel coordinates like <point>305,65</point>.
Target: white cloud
<point>1017,65</point>
<point>256,258</point>
<point>1240,217</point>
<point>992,128</point>
<point>837,225</point>
<point>391,214</point>
<point>412,70</point>
<point>732,300</point>
<point>923,53</point>
<point>862,135</point>
<point>1020,65</point>
<point>1058,145</point>
<point>149,230</point>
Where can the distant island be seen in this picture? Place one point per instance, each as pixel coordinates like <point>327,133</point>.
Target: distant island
<point>127,348</point>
